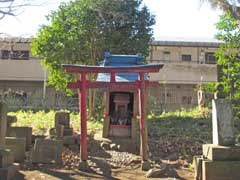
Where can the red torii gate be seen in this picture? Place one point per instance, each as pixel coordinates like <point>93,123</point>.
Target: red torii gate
<point>141,85</point>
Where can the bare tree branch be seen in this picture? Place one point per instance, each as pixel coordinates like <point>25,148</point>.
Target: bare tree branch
<point>14,7</point>
<point>232,6</point>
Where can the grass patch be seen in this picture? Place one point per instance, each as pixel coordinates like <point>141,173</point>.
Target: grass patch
<point>179,133</point>
<point>40,121</point>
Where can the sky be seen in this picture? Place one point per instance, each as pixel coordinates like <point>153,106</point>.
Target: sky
<point>174,18</point>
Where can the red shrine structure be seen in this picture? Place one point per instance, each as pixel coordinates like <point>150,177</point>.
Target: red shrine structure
<point>124,81</point>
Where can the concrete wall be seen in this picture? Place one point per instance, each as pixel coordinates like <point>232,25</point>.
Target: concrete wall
<point>184,73</point>
<point>169,97</point>
<point>21,70</point>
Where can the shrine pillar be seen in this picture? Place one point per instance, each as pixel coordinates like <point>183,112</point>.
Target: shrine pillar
<point>142,113</point>
<point>83,125</point>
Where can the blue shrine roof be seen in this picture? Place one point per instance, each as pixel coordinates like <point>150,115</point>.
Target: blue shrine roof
<point>113,60</point>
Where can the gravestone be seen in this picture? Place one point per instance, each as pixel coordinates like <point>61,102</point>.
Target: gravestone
<point>63,118</point>
<point>220,160</point>
<point>21,132</point>
<point>222,121</point>
<point>3,123</point>
<point>7,168</point>
<point>47,151</point>
<point>11,120</point>
<point>17,147</point>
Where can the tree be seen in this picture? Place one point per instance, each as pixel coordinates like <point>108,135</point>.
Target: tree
<point>80,32</point>
<point>231,6</point>
<point>12,7</point>
<point>228,56</point>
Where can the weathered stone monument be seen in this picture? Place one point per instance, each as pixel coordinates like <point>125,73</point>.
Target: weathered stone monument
<point>18,139</point>
<point>62,130</point>
<point>21,132</point>
<point>220,160</point>
<point>17,146</point>
<point>50,150</point>
<point>47,151</point>
<point>63,118</point>
<point>7,168</point>
<point>11,120</point>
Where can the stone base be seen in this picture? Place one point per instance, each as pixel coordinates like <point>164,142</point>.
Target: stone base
<point>17,146</point>
<point>47,151</point>
<point>221,153</point>
<point>220,170</point>
<point>123,143</point>
<point>146,165</point>
<point>6,158</point>
<point>197,163</point>
<point>9,172</point>
<point>83,166</point>
<point>69,140</point>
<point>68,131</point>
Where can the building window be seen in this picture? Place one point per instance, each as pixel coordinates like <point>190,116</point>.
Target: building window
<point>21,55</point>
<point>186,57</point>
<point>166,56</point>
<point>210,58</point>
<point>5,54</point>
<point>15,55</point>
<point>186,99</point>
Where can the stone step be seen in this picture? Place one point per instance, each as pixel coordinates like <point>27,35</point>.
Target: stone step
<point>220,170</point>
<point>221,153</point>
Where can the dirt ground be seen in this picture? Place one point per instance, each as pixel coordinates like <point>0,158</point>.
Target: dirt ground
<point>103,165</point>
<point>117,174</point>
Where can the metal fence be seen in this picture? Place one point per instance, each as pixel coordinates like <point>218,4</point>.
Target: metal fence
<point>155,105</point>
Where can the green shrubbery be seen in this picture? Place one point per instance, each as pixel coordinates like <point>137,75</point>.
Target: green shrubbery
<point>40,121</point>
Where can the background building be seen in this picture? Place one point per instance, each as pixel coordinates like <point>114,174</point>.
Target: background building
<point>187,63</point>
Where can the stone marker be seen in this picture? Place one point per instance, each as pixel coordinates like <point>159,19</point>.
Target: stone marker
<point>17,146</point>
<point>7,168</point>
<point>11,120</point>
<point>222,121</point>
<point>47,151</point>
<point>3,123</point>
<point>62,118</point>
<point>220,160</point>
<point>21,132</point>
